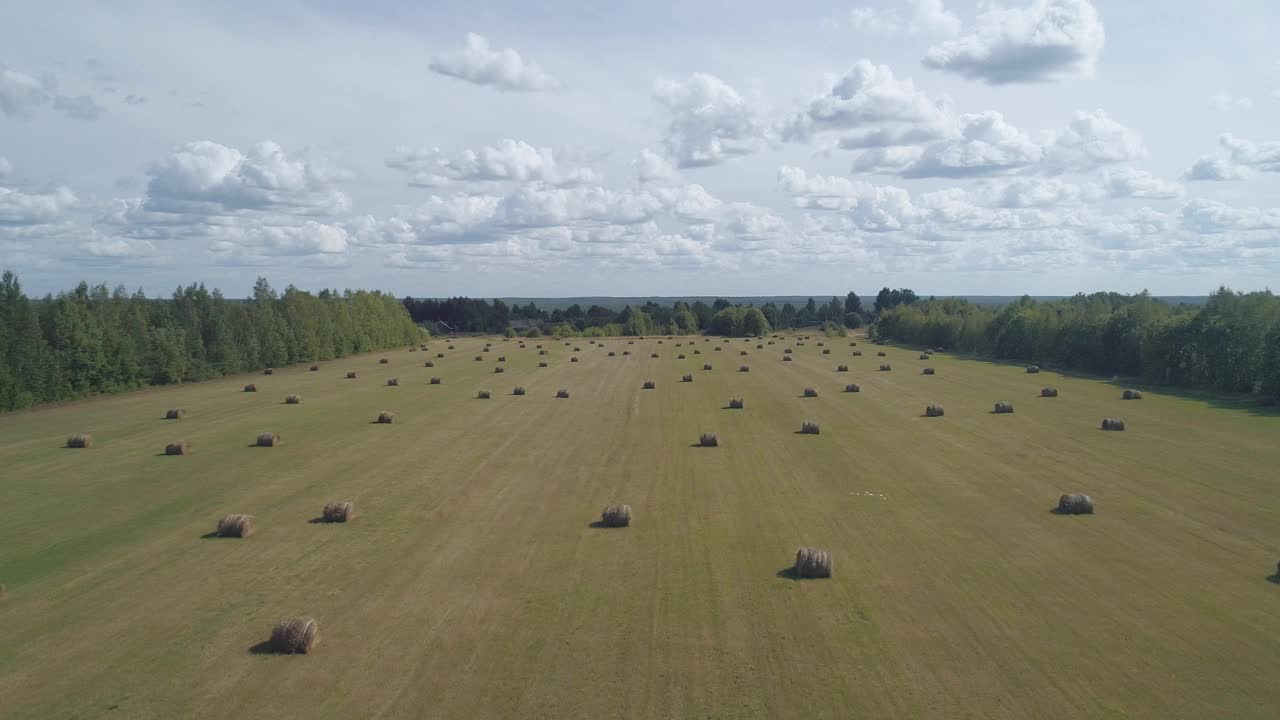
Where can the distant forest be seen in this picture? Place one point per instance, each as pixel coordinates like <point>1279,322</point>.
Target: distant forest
<point>94,340</point>
<point>1231,342</point>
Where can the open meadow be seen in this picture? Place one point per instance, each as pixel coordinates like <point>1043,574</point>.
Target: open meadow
<point>474,580</point>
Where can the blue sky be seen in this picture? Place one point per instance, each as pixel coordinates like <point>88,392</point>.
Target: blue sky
<point>573,148</point>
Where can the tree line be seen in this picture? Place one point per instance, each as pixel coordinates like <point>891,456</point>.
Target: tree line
<point>94,340</point>
<point>680,318</point>
<point>1231,343</point>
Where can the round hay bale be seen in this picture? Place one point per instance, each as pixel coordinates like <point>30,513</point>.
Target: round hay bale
<point>687,378</point>
<point>934,411</point>
<point>616,516</point>
<point>542,352</point>
<point>575,348</point>
<point>182,447</point>
<point>542,363</point>
<point>857,353</point>
<point>927,371</point>
<point>267,371</point>
<point>761,347</point>
<point>697,352</point>
<point>924,356</point>
<point>315,368</point>
<point>498,369</point>
<point>736,403</point>
<point>338,512</point>
<point>517,390</point>
<point>483,395</point>
<point>649,385</point>
<point>842,368</point>
<point>810,393</point>
<point>826,351</point>
<point>292,399</point>
<point>1003,408</point>
<point>786,358</point>
<point>573,358</point>
<point>881,353</point>
<point>1033,369</point>
<point>270,439</point>
<point>486,349</point>
<point>812,563</point>
<point>479,358</point>
<point>386,418</point>
<point>383,361</point>
<point>706,366</point>
<point>439,355</point>
<point>175,414</point>
<point>428,363</point>
<point>538,346</point>
<point>1049,392</point>
<point>294,636</point>
<point>1113,424</point>
<point>680,356</point>
<point>434,381</point>
<point>562,393</point>
<point>351,375</point>
<point>786,351</point>
<point>1132,395</point>
<point>1075,504</point>
<point>502,358</point>
<point>853,344</point>
<point>885,367</point>
<point>612,354</point>
<point>451,347</point>
<point>717,349</point>
<point>742,352</point>
<point>393,382</point>
<point>251,388</point>
<point>653,355</point>
<point>239,526</point>
<point>821,344</point>
<point>808,427</point>
<point>743,368</point>
<point>852,387</point>
<point>708,440</point>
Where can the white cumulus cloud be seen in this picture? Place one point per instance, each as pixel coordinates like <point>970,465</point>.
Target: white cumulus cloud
<point>505,69</point>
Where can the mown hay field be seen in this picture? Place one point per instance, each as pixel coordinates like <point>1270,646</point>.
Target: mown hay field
<point>475,580</point>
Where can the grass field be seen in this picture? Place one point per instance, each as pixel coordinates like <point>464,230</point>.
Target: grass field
<point>471,583</point>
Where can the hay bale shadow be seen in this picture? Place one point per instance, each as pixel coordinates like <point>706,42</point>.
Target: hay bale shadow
<point>318,520</point>
<point>215,536</point>
<point>1274,579</point>
<point>789,573</point>
<point>262,648</point>
<point>600,525</point>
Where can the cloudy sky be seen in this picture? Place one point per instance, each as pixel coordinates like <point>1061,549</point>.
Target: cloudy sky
<point>566,147</point>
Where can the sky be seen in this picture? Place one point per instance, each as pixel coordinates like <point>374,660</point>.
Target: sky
<point>673,147</point>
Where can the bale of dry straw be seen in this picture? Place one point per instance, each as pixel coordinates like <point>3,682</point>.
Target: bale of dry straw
<point>434,381</point>
<point>573,358</point>
<point>479,358</point>
<point>339,512</point>
<point>483,395</point>
<point>934,411</point>
<point>842,368</point>
<point>292,399</point>
<point>502,358</point>
<point>787,351</point>
<point>267,371</point>
<point>649,385</point>
<point>697,352</point>
<point>736,403</point>
<point>810,393</point>
<point>428,364</point>
<point>517,390</point>
<point>439,355</point>
<point>499,369</point>
<point>1115,424</point>
<point>881,353</point>
<point>612,353</point>
<point>885,367</point>
<point>743,368</point>
<point>653,355</point>
<point>315,368</point>
<point>295,636</point>
<point>386,418</point>
<point>808,427</point>
<point>269,439</point>
<point>251,388</point>
<point>812,563</point>
<point>680,356</point>
<point>240,526</point>
<point>1033,369</point>
<point>786,358</point>
<point>182,447</point>
<point>562,393</point>
<point>1075,504</point>
<point>383,361</point>
<point>687,378</point>
<point>857,353</point>
<point>1003,408</point>
<point>616,516</point>
<point>393,382</point>
<point>924,356</point>
<point>1132,395</point>
<point>708,440</point>
<point>826,351</point>
<point>852,387</point>
<point>175,414</point>
<point>351,375</point>
<point>927,371</point>
<point>1049,392</point>
<point>542,363</point>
